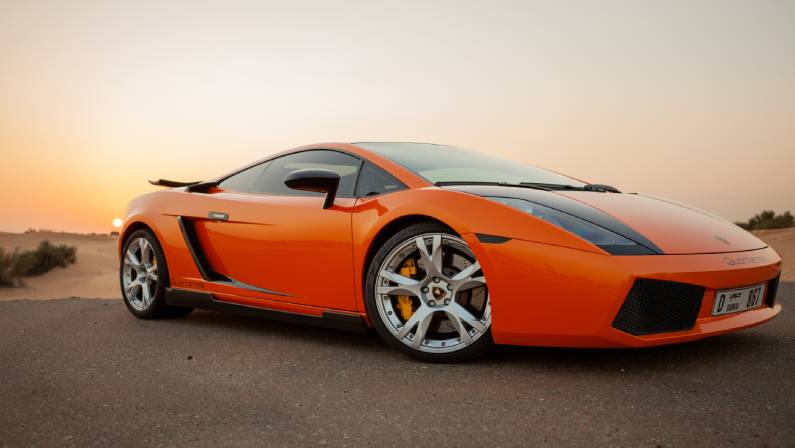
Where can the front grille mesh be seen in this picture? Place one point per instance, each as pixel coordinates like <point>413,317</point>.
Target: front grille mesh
<point>658,306</point>
<point>772,289</point>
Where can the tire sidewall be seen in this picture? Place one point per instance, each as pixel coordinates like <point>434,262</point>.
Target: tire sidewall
<point>478,348</point>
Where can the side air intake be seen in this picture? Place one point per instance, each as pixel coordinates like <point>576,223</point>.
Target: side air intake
<point>658,306</point>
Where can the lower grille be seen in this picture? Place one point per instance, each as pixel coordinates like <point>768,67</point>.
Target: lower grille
<point>772,289</point>
<point>658,306</point>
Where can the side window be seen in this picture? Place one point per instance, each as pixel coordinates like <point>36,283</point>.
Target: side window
<point>374,180</point>
<point>244,180</point>
<point>272,181</point>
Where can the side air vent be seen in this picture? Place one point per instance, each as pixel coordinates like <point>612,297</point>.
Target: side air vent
<point>658,306</point>
<point>772,289</point>
<point>186,225</point>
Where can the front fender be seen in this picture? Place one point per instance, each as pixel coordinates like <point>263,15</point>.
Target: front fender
<point>465,213</point>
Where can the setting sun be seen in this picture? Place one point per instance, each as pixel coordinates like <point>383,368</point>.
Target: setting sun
<point>117,223</point>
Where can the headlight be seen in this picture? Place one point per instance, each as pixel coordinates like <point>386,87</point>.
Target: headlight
<point>609,241</point>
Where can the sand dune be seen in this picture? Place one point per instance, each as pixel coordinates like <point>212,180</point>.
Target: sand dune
<point>95,274</point>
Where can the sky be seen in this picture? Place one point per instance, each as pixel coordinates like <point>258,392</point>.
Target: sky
<point>689,100</point>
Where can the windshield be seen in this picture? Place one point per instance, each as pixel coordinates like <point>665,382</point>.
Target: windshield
<point>439,163</point>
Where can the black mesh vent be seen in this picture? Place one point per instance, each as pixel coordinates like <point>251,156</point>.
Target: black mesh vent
<point>772,289</point>
<point>658,306</point>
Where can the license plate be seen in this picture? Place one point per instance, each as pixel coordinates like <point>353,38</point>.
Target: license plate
<point>737,299</point>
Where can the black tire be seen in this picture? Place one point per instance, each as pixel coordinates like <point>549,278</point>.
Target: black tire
<point>476,349</point>
<point>158,308</point>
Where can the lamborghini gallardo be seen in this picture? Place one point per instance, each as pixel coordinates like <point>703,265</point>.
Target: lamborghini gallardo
<point>443,251</point>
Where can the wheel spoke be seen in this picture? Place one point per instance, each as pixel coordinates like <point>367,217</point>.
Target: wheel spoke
<point>146,250</point>
<point>131,258</point>
<point>399,279</point>
<point>436,253</point>
<point>151,273</point>
<point>422,330</point>
<point>146,296</point>
<point>398,290</point>
<point>469,283</point>
<point>462,314</point>
<point>467,272</point>
<point>459,327</point>
<point>132,288</point>
<point>433,260</point>
<point>421,313</point>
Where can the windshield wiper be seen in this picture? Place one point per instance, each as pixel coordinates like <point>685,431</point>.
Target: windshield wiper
<point>494,184</point>
<point>534,185</point>
<point>553,186</point>
<point>588,187</point>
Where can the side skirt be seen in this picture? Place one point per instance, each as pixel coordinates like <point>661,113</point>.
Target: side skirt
<point>206,301</point>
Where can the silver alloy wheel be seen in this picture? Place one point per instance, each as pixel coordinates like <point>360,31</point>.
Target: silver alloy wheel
<point>451,308</point>
<point>139,274</point>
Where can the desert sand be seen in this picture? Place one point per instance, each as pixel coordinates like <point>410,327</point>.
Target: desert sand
<point>95,274</point>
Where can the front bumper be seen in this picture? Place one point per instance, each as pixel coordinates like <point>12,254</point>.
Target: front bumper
<point>545,295</point>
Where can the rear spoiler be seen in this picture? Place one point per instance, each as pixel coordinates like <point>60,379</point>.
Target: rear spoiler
<point>171,183</point>
<point>195,187</point>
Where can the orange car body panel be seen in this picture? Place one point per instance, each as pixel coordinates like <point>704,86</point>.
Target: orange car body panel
<point>547,286</point>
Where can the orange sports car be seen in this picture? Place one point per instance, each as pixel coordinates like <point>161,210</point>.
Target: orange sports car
<point>443,251</point>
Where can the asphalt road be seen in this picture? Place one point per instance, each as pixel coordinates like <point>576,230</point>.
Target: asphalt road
<point>85,372</point>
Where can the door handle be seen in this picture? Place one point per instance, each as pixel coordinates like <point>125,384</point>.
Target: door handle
<point>218,216</point>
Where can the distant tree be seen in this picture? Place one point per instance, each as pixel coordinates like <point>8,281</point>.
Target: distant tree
<point>768,219</point>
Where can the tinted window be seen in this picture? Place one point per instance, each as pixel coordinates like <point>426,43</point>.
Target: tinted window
<point>374,181</point>
<point>439,163</point>
<point>244,180</point>
<point>272,181</point>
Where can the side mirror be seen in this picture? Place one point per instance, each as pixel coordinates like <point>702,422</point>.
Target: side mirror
<point>321,181</point>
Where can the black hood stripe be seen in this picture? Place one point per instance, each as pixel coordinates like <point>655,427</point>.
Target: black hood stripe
<point>562,204</point>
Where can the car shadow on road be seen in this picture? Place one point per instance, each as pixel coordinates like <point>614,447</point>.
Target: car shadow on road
<point>281,330</point>
<point>720,349</point>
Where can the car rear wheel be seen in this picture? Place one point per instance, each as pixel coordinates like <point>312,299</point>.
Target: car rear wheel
<point>427,295</point>
<point>143,276</point>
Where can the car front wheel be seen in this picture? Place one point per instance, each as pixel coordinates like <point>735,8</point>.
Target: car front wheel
<point>427,295</point>
<point>143,276</point>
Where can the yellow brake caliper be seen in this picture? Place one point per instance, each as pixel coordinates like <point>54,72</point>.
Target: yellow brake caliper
<point>404,303</point>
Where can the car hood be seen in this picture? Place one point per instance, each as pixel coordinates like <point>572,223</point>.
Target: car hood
<point>672,227</point>
<point>675,228</point>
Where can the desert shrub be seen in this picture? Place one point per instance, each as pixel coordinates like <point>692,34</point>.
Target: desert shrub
<point>768,219</point>
<point>44,258</point>
<point>8,275</point>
